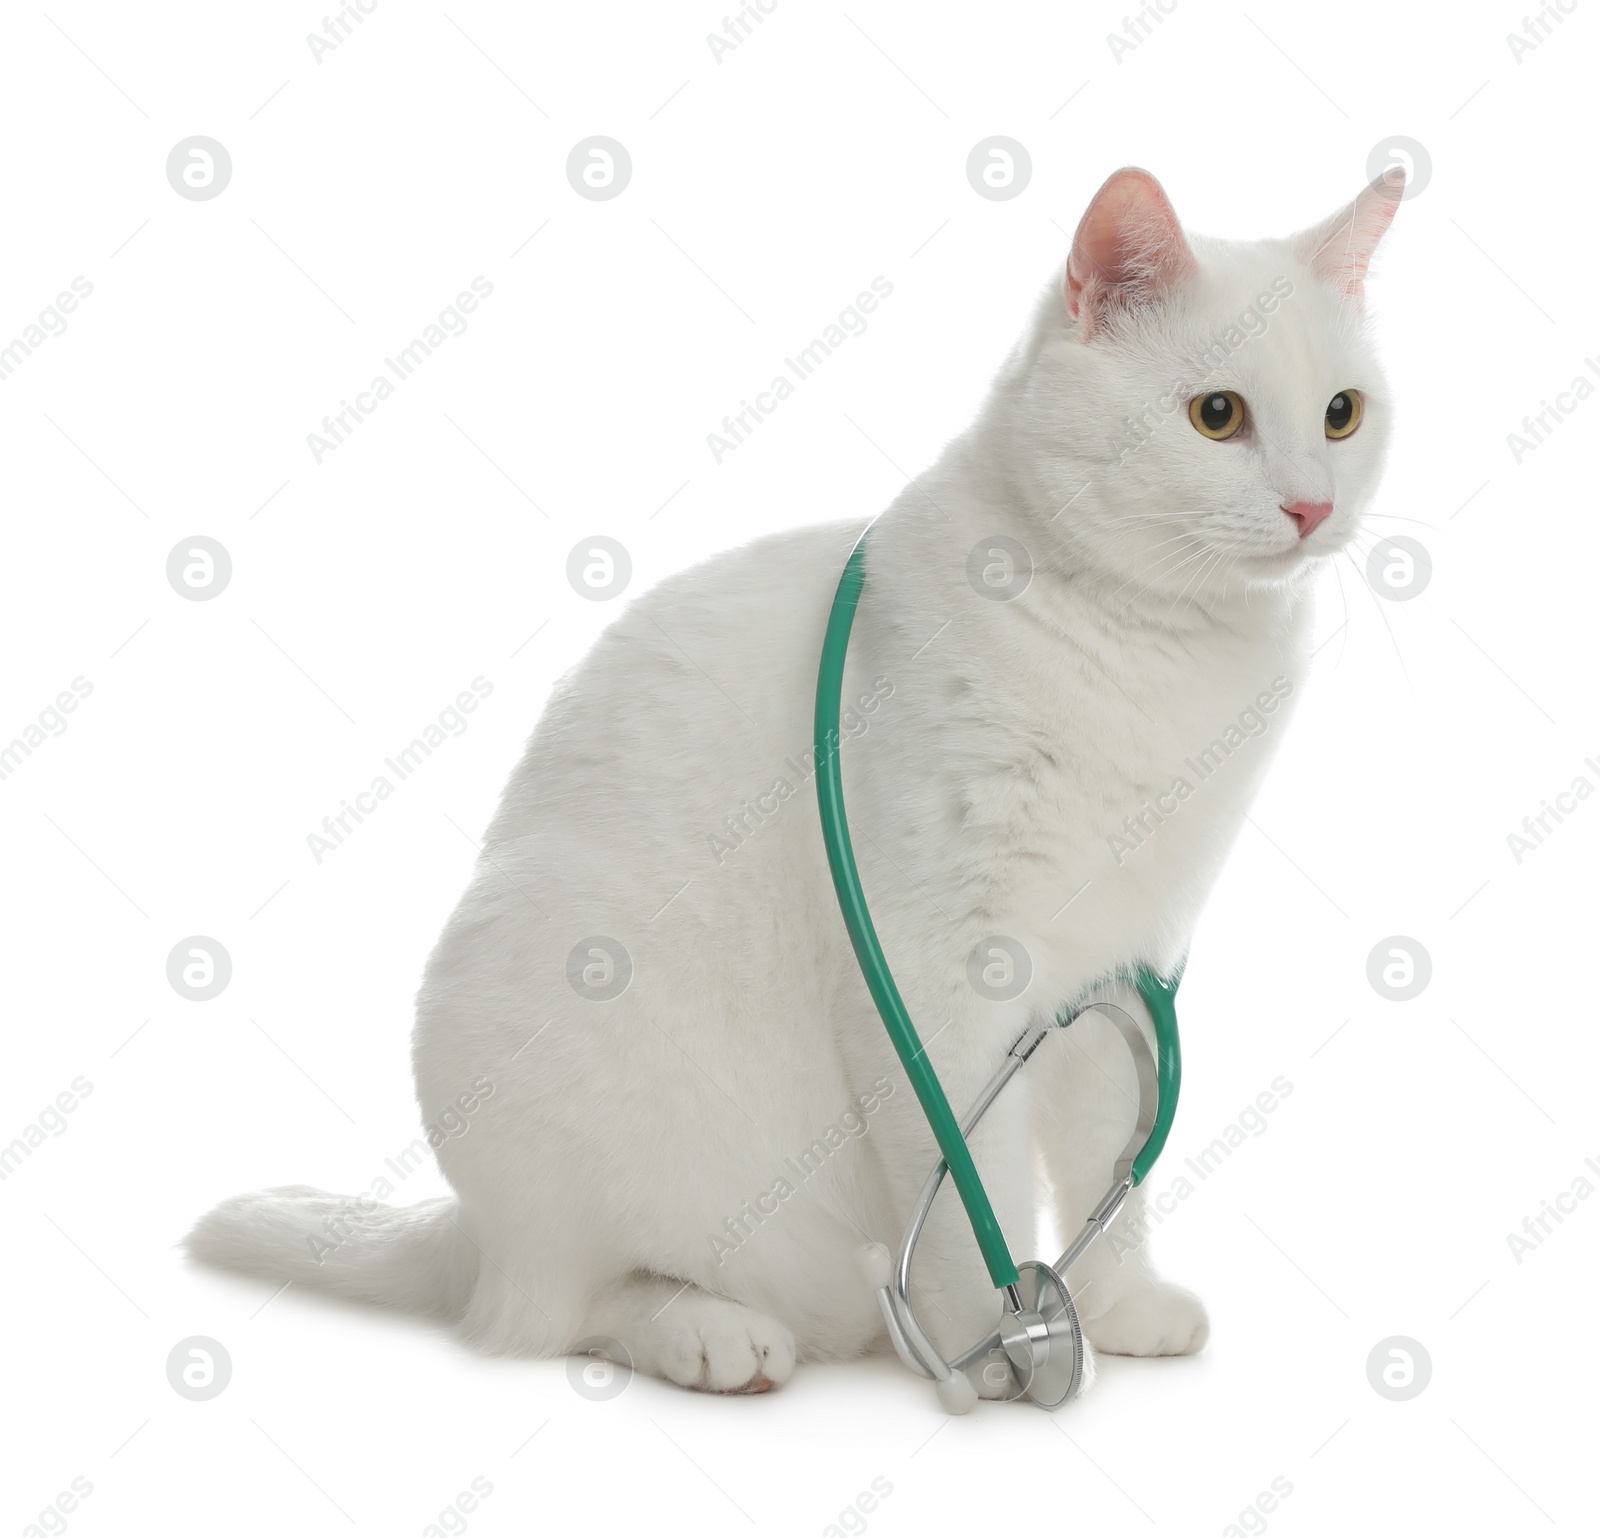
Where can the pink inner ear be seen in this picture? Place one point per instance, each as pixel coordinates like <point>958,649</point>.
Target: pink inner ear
<point>1339,250</point>
<point>1128,250</point>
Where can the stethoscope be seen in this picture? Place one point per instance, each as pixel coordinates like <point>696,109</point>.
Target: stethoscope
<point>1038,1335</point>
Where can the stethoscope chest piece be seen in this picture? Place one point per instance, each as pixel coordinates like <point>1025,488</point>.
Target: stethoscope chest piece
<point>1044,1343</point>
<point>1037,1352</point>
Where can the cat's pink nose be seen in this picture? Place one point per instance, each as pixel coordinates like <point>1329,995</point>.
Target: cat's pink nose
<point>1307,514</point>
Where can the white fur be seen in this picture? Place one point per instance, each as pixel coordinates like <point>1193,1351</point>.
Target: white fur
<point>1169,591</point>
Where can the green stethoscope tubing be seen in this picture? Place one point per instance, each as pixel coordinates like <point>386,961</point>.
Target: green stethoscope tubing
<point>1159,996</point>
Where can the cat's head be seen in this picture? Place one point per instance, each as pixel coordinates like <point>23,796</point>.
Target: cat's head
<point>1212,411</point>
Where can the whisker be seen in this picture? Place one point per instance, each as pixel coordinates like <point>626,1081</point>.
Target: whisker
<point>1199,578</point>
<point>1205,550</point>
<point>1190,540</point>
<point>1378,605</point>
<point>1421,523</point>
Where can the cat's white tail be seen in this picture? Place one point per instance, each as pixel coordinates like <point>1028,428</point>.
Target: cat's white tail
<point>413,1258</point>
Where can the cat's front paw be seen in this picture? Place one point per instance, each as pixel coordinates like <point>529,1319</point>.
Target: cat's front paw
<point>1155,1319</point>
<point>720,1347</point>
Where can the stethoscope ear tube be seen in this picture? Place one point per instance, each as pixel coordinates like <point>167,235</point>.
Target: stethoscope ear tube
<point>1045,1318</point>
<point>1160,998</point>
<point>864,937</point>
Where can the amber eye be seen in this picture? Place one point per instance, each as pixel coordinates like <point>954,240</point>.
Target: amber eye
<point>1218,415</point>
<point>1343,415</point>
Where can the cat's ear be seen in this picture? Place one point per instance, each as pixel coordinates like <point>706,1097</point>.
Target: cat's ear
<point>1339,249</point>
<point>1129,250</point>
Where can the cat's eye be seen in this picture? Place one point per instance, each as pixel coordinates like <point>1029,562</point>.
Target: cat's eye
<point>1218,415</point>
<point>1343,415</point>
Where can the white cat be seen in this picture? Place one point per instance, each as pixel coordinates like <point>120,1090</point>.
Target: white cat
<point>660,1091</point>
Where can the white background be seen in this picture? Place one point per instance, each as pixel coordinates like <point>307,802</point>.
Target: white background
<point>368,590</point>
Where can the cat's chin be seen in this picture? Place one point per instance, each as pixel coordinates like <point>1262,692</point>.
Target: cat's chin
<point>1275,569</point>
